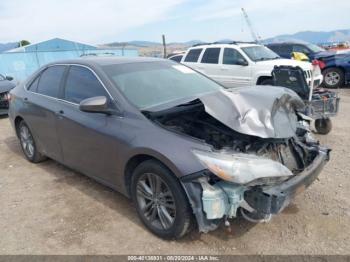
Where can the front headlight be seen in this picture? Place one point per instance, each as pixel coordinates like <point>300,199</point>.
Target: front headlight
<point>242,168</point>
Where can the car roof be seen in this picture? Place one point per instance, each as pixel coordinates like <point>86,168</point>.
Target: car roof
<point>300,42</point>
<point>107,60</point>
<point>224,45</point>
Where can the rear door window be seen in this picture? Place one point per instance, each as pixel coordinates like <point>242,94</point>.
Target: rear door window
<point>193,55</point>
<point>82,84</point>
<point>211,56</point>
<point>50,81</point>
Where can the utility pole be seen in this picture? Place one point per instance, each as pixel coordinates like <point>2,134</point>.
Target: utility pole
<point>255,36</point>
<point>164,46</point>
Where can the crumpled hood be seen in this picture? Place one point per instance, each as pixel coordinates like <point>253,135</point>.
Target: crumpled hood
<point>263,111</point>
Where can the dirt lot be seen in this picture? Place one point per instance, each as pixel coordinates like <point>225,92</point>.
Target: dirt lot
<point>49,209</point>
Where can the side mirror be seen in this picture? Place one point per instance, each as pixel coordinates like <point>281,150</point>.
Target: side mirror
<point>98,104</point>
<point>9,78</point>
<point>242,62</point>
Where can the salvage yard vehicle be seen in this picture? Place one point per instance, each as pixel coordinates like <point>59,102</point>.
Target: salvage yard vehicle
<point>5,86</point>
<point>239,64</point>
<point>184,148</point>
<point>336,64</point>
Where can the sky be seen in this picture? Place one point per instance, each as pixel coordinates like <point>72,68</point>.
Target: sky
<point>105,21</point>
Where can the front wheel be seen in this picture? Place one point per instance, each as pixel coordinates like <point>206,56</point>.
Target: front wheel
<point>160,200</point>
<point>323,126</point>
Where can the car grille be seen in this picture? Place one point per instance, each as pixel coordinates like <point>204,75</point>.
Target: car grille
<point>4,103</point>
<point>307,74</point>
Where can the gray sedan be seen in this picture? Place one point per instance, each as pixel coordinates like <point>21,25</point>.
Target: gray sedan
<point>186,150</point>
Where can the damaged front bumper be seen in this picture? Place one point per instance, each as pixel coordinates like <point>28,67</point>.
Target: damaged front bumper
<point>212,203</point>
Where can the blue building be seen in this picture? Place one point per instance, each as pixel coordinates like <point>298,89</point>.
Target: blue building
<point>55,44</point>
<point>23,61</point>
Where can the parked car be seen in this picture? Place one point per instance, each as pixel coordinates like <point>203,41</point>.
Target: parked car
<point>312,51</point>
<point>180,145</point>
<point>5,86</point>
<point>241,64</point>
<point>336,71</point>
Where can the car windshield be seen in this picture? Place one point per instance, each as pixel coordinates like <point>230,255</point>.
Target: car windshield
<point>315,48</point>
<point>259,53</point>
<point>151,84</point>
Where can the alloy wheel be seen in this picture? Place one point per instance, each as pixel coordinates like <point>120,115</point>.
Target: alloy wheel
<point>156,201</point>
<point>332,78</point>
<point>27,141</point>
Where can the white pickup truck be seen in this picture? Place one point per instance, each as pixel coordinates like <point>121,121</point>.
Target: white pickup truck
<point>242,64</point>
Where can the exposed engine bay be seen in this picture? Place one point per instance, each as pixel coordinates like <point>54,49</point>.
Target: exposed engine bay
<point>192,119</point>
<point>214,199</point>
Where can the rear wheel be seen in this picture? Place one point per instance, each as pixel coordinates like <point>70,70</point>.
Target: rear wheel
<point>160,200</point>
<point>28,144</point>
<point>323,126</point>
<point>333,77</point>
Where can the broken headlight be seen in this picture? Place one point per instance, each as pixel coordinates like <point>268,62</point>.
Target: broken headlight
<point>243,168</point>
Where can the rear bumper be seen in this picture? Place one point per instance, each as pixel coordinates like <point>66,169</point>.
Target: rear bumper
<point>273,199</point>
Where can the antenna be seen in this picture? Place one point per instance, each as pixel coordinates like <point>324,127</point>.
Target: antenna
<point>255,36</point>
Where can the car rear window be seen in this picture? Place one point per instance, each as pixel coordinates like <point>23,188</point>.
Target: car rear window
<point>50,81</point>
<point>193,55</point>
<point>211,56</point>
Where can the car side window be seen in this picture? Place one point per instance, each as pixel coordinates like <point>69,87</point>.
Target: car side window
<point>177,58</point>
<point>232,57</point>
<point>193,55</point>
<point>286,49</point>
<point>82,84</point>
<point>50,81</point>
<point>211,56</point>
<point>34,85</point>
<point>300,49</point>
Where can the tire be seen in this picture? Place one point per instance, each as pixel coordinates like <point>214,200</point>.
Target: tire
<point>28,144</point>
<point>171,204</point>
<point>323,126</point>
<point>333,77</point>
<point>266,82</point>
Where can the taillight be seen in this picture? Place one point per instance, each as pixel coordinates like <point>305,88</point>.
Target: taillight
<point>8,97</point>
<point>320,63</point>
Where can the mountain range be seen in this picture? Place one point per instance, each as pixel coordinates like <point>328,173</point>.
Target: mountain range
<point>308,36</point>
<point>315,37</point>
<point>7,46</point>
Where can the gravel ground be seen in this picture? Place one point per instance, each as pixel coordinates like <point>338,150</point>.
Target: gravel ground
<point>49,209</point>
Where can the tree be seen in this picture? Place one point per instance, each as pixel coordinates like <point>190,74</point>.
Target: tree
<point>23,43</point>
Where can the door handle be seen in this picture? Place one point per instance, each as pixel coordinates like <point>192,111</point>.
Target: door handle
<point>25,100</point>
<point>61,112</point>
